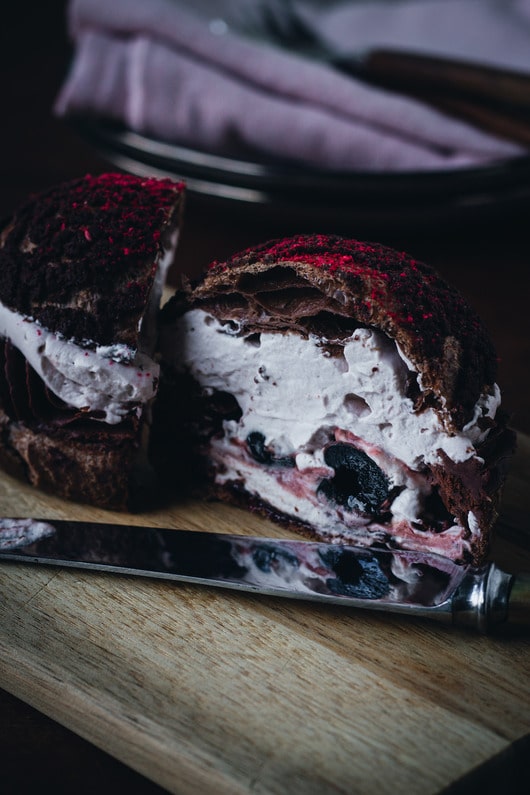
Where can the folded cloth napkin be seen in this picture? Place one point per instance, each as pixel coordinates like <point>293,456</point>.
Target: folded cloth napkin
<point>184,73</point>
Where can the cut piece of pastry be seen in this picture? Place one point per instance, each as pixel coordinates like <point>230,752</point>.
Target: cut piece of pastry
<point>341,388</point>
<point>82,268</point>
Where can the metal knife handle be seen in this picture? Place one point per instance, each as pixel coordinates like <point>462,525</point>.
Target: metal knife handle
<point>482,600</point>
<point>519,606</point>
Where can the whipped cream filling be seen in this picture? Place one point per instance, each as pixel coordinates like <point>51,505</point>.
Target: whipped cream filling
<point>302,394</point>
<point>290,388</point>
<point>294,493</point>
<point>111,380</point>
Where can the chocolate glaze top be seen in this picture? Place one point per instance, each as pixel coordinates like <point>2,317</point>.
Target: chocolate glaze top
<point>81,257</point>
<point>313,281</point>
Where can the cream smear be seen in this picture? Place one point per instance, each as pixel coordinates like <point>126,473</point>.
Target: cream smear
<point>113,380</point>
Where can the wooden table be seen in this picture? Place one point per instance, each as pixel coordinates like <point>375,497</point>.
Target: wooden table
<point>488,261</point>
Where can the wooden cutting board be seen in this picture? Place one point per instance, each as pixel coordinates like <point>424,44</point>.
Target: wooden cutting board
<point>208,691</point>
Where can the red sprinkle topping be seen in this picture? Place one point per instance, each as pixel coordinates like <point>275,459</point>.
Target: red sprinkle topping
<point>88,237</point>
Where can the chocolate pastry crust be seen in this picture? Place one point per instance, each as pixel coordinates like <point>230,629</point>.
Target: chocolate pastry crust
<point>81,257</point>
<point>87,463</point>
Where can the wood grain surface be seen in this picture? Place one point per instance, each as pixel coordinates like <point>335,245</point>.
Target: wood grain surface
<point>358,661</point>
<point>202,690</point>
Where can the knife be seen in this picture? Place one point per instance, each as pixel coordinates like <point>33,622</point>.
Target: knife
<point>393,581</point>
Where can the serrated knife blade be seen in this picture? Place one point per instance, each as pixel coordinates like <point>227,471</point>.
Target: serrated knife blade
<point>377,579</point>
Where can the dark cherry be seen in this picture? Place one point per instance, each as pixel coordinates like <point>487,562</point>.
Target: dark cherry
<point>435,517</point>
<point>258,451</point>
<point>358,483</point>
<point>357,575</point>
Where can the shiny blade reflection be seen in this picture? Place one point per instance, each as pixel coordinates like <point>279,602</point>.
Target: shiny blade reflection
<point>376,578</point>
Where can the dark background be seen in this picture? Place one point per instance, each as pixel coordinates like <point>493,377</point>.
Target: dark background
<point>488,259</point>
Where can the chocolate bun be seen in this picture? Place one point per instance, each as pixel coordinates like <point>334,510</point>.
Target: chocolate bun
<point>82,267</point>
<point>341,388</point>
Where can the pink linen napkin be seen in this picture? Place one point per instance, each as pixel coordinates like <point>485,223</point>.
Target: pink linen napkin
<point>166,70</point>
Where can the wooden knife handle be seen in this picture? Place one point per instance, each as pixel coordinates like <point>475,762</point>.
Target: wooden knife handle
<point>513,126</point>
<point>494,100</point>
<point>455,77</point>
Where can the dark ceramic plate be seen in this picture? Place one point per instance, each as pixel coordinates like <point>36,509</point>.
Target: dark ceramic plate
<point>404,197</point>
